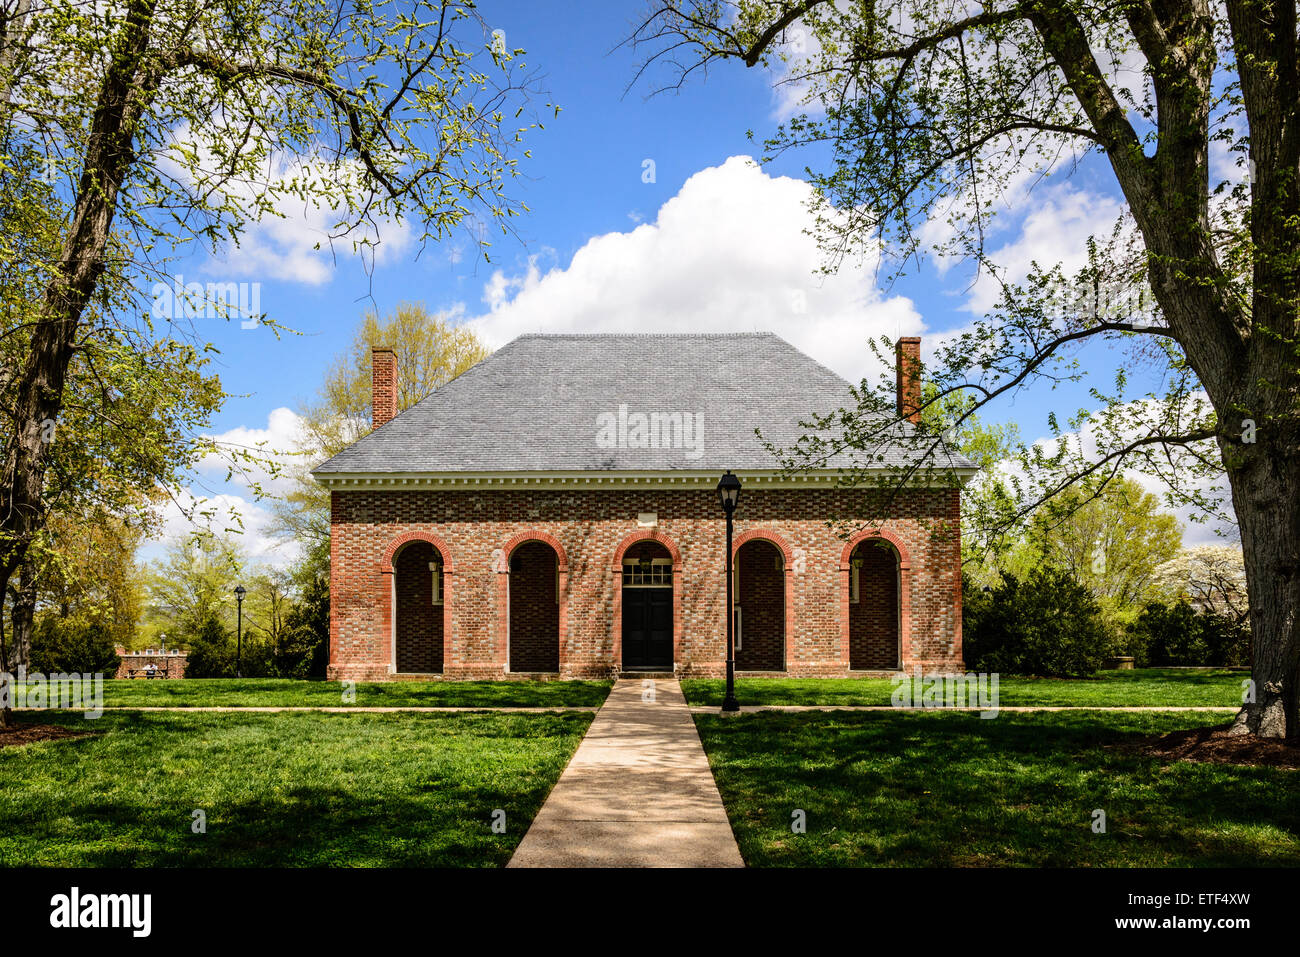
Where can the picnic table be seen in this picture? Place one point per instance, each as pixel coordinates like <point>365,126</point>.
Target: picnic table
<point>146,673</point>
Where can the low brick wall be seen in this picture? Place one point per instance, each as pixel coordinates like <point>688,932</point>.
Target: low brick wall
<point>170,664</point>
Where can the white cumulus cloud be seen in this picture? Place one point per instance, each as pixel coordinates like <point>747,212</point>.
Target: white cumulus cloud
<point>1054,230</point>
<point>729,253</point>
<point>241,519</point>
<point>277,442</point>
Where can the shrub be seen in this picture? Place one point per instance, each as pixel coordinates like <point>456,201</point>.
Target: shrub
<point>297,654</point>
<point>215,652</point>
<point>1227,642</point>
<point>1045,624</point>
<point>256,656</point>
<point>305,652</point>
<point>212,652</point>
<point>68,645</point>
<point>1176,634</point>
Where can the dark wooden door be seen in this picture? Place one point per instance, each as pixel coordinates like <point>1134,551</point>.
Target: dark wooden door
<point>648,629</point>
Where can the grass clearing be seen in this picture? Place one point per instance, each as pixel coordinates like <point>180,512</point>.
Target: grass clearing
<point>287,692</point>
<point>950,789</point>
<point>288,789</point>
<point>1145,687</point>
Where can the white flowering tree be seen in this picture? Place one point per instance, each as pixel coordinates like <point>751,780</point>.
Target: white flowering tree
<point>1212,578</point>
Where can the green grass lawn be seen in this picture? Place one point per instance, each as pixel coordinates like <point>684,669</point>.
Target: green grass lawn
<point>1167,687</point>
<point>246,692</point>
<point>305,789</point>
<point>952,789</point>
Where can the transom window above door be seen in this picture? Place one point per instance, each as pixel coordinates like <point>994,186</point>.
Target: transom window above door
<point>647,572</point>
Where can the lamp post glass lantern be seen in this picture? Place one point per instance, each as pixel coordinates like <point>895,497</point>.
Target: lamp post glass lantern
<point>728,498</point>
<point>240,591</point>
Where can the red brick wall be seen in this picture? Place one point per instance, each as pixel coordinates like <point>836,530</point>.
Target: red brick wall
<point>873,619</point>
<point>171,665</point>
<point>907,377</point>
<point>383,386</point>
<point>762,607</point>
<point>473,529</point>
<point>419,620</point>
<point>534,612</point>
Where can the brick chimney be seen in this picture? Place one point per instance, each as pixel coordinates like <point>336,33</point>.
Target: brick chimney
<point>907,355</point>
<point>383,387</point>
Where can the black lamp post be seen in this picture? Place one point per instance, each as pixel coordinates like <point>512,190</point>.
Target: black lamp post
<point>729,495</point>
<point>240,591</point>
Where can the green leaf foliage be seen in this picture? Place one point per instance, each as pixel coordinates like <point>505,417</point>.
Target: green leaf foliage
<point>1045,624</point>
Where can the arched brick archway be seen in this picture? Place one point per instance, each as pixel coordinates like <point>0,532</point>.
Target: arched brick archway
<point>420,631</point>
<point>534,640</point>
<point>866,638</point>
<point>386,563</point>
<point>775,537</point>
<point>765,568</point>
<point>616,568</point>
<point>652,535</point>
<point>537,535</point>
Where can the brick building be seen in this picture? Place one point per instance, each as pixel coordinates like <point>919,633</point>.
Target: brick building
<point>553,511</point>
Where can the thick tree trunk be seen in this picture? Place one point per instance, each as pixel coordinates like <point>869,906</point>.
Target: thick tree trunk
<point>1244,357</point>
<point>1265,476</point>
<point>38,400</point>
<point>23,614</point>
<point>5,672</point>
<point>1266,497</point>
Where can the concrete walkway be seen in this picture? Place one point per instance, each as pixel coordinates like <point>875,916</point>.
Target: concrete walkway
<point>638,793</point>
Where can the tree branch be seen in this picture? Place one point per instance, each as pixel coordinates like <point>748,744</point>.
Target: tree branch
<point>334,92</point>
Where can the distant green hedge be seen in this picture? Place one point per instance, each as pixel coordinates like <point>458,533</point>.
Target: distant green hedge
<point>215,653</point>
<point>1045,624</point>
<point>1179,635</point>
<point>72,645</point>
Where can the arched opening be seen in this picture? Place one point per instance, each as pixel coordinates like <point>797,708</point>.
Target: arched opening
<point>647,607</point>
<point>758,594</point>
<point>419,596</point>
<point>534,600</point>
<point>874,609</point>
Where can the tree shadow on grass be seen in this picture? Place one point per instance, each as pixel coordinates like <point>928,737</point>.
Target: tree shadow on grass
<point>953,789</point>
<point>286,790</point>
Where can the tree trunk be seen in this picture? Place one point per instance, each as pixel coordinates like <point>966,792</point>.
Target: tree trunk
<point>38,400</point>
<point>22,616</point>
<point>5,674</point>
<point>1244,357</point>
<point>1265,477</point>
<point>1266,498</point>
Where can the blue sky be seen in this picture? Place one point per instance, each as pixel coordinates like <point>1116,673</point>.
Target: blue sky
<point>711,244</point>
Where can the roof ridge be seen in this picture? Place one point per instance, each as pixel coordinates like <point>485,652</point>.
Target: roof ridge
<point>644,335</point>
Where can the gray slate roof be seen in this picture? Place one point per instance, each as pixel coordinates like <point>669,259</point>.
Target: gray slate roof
<point>546,403</point>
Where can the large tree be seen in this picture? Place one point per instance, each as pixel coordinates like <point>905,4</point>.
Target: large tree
<point>177,121</point>
<point>430,350</point>
<point>1212,578</point>
<point>132,418</point>
<point>925,113</point>
<point>1111,543</point>
<point>193,582</point>
<point>84,566</point>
